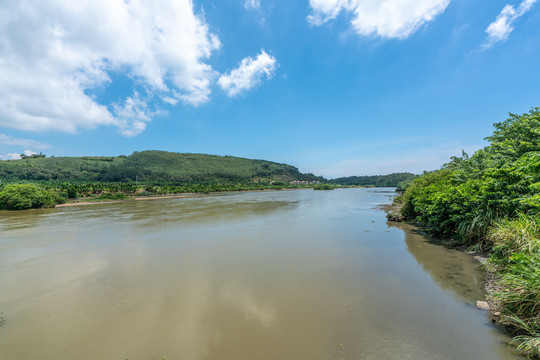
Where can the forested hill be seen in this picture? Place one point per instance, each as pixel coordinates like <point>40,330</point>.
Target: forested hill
<point>390,180</point>
<point>150,166</point>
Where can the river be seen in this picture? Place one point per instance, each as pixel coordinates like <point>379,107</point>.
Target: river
<point>288,275</point>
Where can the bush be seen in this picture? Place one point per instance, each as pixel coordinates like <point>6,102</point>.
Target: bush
<point>25,196</point>
<point>72,192</point>
<point>323,187</point>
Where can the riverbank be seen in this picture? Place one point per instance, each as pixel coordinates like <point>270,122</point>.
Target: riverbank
<point>507,255</point>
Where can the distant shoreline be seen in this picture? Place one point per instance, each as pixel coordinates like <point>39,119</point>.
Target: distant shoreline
<point>177,196</point>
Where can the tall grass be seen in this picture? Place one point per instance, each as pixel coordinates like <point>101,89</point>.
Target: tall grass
<point>520,234</point>
<point>478,227</point>
<point>528,344</point>
<point>516,256</point>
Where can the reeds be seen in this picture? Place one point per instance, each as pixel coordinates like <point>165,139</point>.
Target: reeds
<point>516,256</point>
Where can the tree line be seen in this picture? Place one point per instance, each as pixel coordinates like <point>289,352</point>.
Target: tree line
<point>390,180</point>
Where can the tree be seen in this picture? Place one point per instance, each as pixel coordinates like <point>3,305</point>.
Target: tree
<point>25,196</point>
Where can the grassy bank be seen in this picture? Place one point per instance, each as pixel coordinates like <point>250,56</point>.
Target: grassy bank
<point>490,201</point>
<point>515,257</point>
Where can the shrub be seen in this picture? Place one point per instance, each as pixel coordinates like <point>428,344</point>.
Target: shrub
<point>25,196</point>
<point>323,187</point>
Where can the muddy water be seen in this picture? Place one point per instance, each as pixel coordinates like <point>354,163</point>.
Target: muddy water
<point>274,275</point>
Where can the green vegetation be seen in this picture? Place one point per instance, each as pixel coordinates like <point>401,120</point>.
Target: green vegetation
<point>109,196</point>
<point>516,254</point>
<point>323,187</point>
<point>33,156</point>
<point>491,201</point>
<point>143,173</point>
<point>391,180</point>
<point>2,320</point>
<point>150,166</point>
<point>403,185</point>
<point>26,196</point>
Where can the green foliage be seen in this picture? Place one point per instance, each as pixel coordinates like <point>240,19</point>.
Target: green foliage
<point>391,180</point>
<point>71,191</point>
<point>518,135</point>
<point>147,173</point>
<point>516,252</point>
<point>468,194</point>
<point>150,166</point>
<point>33,156</point>
<point>109,196</point>
<point>25,196</point>
<point>323,187</point>
<point>515,236</point>
<point>404,184</point>
<point>528,344</point>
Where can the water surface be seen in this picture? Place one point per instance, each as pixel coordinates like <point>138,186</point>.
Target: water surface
<point>262,275</point>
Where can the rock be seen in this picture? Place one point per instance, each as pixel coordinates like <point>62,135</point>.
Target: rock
<point>394,216</point>
<point>482,305</point>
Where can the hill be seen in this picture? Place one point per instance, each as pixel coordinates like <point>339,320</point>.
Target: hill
<point>150,166</point>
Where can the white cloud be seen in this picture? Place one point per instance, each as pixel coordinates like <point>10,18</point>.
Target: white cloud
<point>383,18</point>
<point>502,26</point>
<point>10,156</point>
<point>52,52</point>
<point>132,115</point>
<point>29,152</point>
<point>248,74</point>
<point>252,4</point>
<point>26,143</point>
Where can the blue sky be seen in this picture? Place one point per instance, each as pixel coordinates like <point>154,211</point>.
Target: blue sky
<point>334,87</point>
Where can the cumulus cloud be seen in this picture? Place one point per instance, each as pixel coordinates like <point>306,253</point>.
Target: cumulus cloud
<point>252,4</point>
<point>132,115</point>
<point>248,74</point>
<point>53,52</point>
<point>502,26</point>
<point>384,18</point>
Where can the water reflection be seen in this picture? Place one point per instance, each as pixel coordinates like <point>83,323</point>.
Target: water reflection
<point>18,220</point>
<point>237,295</point>
<point>450,268</point>
<point>212,209</point>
